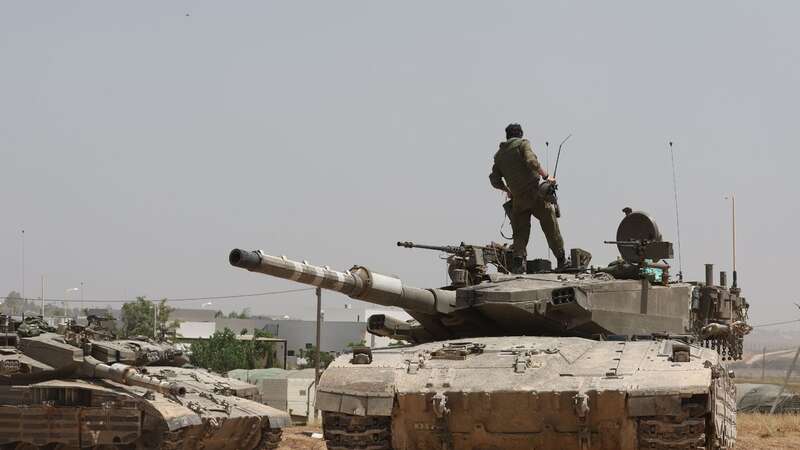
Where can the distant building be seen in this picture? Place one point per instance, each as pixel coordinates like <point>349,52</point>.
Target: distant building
<point>300,334</point>
<point>192,315</point>
<point>349,327</point>
<point>195,330</point>
<point>288,390</point>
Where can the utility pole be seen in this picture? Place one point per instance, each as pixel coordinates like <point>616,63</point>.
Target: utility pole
<point>785,382</point>
<point>42,296</point>
<point>319,330</point>
<point>155,320</point>
<point>79,312</point>
<point>23,265</point>
<point>66,302</point>
<point>733,226</point>
<point>763,362</point>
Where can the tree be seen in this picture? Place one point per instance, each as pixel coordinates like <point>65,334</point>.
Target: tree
<point>137,317</point>
<point>245,314</point>
<point>223,351</point>
<point>12,303</point>
<point>311,354</point>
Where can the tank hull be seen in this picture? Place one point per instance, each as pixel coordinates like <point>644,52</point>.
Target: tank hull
<point>85,414</point>
<point>58,397</point>
<point>530,392</point>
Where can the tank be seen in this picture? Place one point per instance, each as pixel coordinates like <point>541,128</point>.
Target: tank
<point>99,337</point>
<point>621,356</point>
<point>56,394</point>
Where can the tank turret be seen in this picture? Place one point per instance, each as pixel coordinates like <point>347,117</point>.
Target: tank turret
<point>57,394</point>
<point>125,374</point>
<point>631,298</point>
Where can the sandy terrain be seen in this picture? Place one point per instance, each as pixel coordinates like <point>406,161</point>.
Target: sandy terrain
<point>756,432</point>
<point>295,438</point>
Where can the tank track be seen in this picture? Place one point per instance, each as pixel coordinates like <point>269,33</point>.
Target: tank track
<point>346,432</point>
<point>672,433</point>
<point>270,438</point>
<point>172,440</point>
<point>175,440</point>
<point>166,440</point>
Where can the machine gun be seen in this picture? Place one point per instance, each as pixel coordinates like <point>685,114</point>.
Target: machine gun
<point>642,259</point>
<point>641,249</point>
<point>467,264</point>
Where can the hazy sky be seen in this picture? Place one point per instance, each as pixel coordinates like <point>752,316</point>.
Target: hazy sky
<point>138,145</point>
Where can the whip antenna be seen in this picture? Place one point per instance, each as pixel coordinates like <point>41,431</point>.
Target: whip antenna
<point>559,154</point>
<point>677,215</point>
<point>547,153</point>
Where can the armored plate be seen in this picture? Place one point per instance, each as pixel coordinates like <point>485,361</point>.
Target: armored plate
<point>204,380</point>
<point>476,380</point>
<point>75,400</point>
<point>530,392</point>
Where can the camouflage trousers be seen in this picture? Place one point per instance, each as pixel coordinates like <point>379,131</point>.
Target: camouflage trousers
<point>521,211</point>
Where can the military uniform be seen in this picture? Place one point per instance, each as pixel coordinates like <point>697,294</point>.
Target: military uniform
<point>516,163</point>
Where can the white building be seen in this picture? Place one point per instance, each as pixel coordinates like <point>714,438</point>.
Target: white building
<point>292,391</point>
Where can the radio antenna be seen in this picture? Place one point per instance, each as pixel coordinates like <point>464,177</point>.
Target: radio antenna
<point>547,157</point>
<point>677,215</point>
<point>559,154</point>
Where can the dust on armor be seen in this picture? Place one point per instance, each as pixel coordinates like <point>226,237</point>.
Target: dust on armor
<point>613,357</point>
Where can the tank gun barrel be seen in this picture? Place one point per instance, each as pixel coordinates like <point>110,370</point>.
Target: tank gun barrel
<point>359,282</point>
<point>125,374</point>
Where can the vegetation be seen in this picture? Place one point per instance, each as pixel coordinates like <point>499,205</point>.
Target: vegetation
<point>223,352</point>
<point>760,431</point>
<point>310,354</point>
<point>245,314</point>
<point>138,317</point>
<point>15,305</point>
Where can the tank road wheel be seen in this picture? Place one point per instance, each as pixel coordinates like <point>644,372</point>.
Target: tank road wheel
<point>346,432</point>
<point>672,433</point>
<point>270,438</point>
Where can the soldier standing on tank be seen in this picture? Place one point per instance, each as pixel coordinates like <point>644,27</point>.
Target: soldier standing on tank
<point>516,163</point>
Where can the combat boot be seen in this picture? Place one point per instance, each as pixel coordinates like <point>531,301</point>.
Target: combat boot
<point>561,261</point>
<point>518,265</point>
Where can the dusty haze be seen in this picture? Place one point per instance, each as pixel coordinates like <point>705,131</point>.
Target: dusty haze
<point>139,144</point>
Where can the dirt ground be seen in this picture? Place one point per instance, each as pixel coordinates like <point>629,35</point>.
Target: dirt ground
<point>296,438</point>
<point>756,432</point>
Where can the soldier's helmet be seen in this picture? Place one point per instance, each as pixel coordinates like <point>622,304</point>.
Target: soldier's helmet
<point>513,130</point>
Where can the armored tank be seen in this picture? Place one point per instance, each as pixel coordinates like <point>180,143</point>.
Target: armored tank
<point>55,394</point>
<point>613,357</point>
<point>98,335</point>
